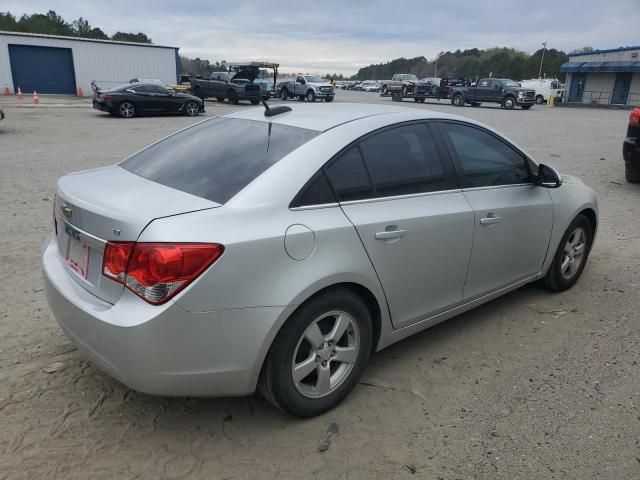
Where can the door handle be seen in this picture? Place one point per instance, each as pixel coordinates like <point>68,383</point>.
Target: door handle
<point>490,219</point>
<point>390,234</point>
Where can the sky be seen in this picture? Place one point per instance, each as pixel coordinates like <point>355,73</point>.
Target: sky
<point>341,36</point>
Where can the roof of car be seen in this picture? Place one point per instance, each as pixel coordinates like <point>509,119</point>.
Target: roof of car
<point>322,117</point>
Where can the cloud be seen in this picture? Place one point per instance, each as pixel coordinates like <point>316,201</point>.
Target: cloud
<point>342,35</point>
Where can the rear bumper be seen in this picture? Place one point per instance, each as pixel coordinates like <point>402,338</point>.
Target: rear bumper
<point>631,151</point>
<point>161,350</point>
<point>102,106</point>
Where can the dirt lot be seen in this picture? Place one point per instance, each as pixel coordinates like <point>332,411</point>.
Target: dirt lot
<point>531,386</point>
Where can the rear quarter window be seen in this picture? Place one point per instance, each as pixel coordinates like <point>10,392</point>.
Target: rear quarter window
<point>217,158</point>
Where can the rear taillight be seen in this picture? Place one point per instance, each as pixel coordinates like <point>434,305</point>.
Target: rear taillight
<point>105,96</point>
<point>158,271</point>
<point>634,118</point>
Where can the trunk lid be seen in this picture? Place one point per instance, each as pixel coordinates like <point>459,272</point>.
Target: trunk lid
<point>109,204</point>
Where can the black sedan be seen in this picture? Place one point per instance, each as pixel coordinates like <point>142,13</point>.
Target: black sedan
<point>130,100</point>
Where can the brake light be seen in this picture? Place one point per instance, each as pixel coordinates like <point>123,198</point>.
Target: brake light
<point>156,272</point>
<point>105,96</point>
<point>634,118</point>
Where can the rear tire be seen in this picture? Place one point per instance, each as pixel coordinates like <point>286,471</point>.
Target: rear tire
<point>233,97</point>
<point>632,172</point>
<point>300,344</point>
<point>126,110</point>
<point>284,94</point>
<point>457,100</point>
<point>574,247</point>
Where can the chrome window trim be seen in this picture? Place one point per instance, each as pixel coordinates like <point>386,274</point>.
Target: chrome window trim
<point>493,187</point>
<point>401,197</point>
<point>314,207</point>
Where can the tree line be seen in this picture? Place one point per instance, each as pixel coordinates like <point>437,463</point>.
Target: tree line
<point>51,23</point>
<point>472,64</point>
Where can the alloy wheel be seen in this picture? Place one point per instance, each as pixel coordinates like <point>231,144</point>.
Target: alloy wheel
<point>573,254</point>
<point>192,109</point>
<point>326,354</point>
<point>127,110</point>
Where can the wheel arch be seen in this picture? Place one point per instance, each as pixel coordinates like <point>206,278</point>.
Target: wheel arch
<point>378,310</point>
<point>590,213</point>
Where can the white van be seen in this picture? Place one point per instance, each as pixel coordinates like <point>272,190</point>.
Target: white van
<point>544,87</point>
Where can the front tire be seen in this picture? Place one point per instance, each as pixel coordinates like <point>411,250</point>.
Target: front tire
<point>571,256</point>
<point>509,103</point>
<point>319,354</point>
<point>192,109</point>
<point>311,96</point>
<point>539,99</point>
<point>126,110</point>
<point>233,97</point>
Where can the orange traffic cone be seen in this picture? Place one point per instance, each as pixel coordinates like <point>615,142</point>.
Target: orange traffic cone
<point>36,98</point>
<point>19,94</point>
<point>6,92</point>
<point>80,93</point>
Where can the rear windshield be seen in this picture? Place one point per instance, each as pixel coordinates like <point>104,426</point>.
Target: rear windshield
<point>217,158</point>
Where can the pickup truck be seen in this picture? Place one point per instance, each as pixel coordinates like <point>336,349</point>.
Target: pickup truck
<point>309,87</point>
<point>400,82</point>
<point>234,86</point>
<point>494,90</point>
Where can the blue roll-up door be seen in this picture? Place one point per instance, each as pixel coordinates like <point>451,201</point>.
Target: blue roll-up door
<point>43,69</point>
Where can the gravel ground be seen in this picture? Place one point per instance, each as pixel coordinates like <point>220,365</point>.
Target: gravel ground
<point>531,386</point>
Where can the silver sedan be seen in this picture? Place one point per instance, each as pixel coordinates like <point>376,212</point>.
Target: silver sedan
<point>278,250</point>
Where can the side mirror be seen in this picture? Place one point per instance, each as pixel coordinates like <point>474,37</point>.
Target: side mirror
<point>548,177</point>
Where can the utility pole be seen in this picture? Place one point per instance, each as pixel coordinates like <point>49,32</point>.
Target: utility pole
<point>544,47</point>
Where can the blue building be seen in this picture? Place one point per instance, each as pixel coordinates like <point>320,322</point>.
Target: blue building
<point>604,77</point>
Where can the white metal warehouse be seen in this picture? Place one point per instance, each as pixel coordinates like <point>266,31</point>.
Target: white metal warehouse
<point>61,65</point>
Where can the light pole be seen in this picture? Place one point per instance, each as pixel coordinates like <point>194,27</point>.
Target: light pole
<point>435,69</point>
<point>544,47</point>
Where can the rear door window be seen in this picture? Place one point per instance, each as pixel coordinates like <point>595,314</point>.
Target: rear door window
<point>348,176</point>
<point>217,158</point>
<point>405,160</point>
